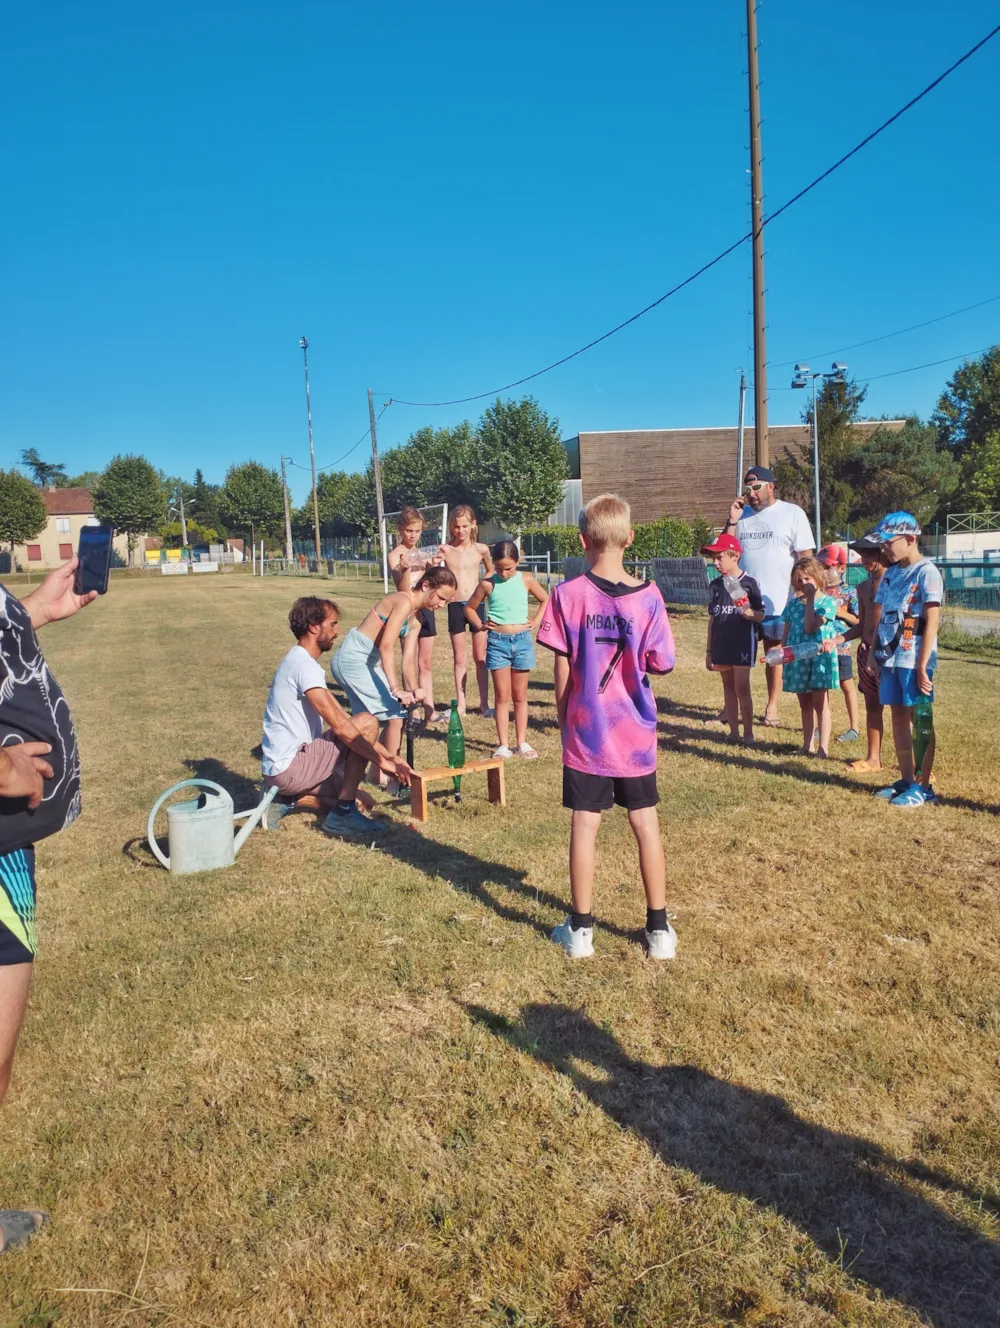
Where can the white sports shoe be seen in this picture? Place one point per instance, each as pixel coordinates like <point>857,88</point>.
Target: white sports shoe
<point>502,754</point>
<point>662,944</point>
<point>577,944</point>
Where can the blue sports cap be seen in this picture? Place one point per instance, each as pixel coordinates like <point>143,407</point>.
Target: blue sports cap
<point>896,523</point>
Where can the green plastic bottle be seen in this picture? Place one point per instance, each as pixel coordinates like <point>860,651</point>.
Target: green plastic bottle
<point>456,746</point>
<point>923,729</point>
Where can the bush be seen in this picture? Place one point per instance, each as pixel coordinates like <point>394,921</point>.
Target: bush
<point>669,538</point>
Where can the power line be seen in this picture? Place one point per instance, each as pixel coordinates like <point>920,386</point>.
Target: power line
<point>894,373</point>
<point>773,216</point>
<point>818,355</point>
<point>334,464</point>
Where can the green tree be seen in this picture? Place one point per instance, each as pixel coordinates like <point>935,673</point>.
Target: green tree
<point>172,534</point>
<point>42,472</point>
<point>519,464</point>
<point>206,503</point>
<point>87,479</point>
<point>898,469</point>
<point>23,513</point>
<point>252,499</point>
<point>838,409</point>
<point>130,497</point>
<point>432,466</point>
<point>979,486</point>
<point>968,410</point>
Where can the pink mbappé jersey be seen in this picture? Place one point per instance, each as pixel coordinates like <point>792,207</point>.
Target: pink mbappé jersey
<point>613,635</point>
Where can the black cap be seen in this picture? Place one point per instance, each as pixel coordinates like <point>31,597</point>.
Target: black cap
<point>759,473</point>
<point>866,544</point>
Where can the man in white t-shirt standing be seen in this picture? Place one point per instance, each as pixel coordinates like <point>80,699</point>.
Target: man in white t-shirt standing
<point>773,534</point>
<point>320,769</point>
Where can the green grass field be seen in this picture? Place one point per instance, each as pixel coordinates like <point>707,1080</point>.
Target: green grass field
<point>336,1085</point>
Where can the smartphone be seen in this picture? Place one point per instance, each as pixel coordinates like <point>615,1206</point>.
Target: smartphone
<point>94,553</point>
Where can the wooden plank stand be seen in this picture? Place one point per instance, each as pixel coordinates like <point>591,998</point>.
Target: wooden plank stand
<point>420,779</point>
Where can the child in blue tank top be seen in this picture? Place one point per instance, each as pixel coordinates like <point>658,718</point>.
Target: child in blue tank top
<point>510,649</point>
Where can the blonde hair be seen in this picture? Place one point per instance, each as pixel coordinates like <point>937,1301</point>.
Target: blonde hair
<point>409,516</point>
<point>811,567</point>
<point>463,509</point>
<point>606,521</point>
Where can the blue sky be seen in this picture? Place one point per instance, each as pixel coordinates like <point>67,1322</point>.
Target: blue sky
<point>444,197</point>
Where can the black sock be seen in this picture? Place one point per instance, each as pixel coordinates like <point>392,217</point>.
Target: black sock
<point>656,919</point>
<point>343,806</point>
<point>580,920</point>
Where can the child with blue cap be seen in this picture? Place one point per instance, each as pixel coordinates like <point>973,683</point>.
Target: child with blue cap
<point>907,607</point>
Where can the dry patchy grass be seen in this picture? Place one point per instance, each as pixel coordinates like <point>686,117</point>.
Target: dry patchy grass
<point>342,1086</point>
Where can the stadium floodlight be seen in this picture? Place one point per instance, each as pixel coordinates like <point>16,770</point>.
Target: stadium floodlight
<point>837,374</point>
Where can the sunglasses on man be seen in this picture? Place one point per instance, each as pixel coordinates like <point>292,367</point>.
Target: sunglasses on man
<point>752,488</point>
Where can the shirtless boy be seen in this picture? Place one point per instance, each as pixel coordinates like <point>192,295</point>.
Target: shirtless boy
<point>406,563</point>
<point>464,555</point>
<point>873,558</point>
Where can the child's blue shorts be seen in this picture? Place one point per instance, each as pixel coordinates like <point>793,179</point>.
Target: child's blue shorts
<point>510,650</point>
<point>900,687</point>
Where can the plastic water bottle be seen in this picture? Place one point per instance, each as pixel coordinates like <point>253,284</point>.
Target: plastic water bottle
<point>786,654</point>
<point>923,729</point>
<point>456,747</point>
<point>737,594</point>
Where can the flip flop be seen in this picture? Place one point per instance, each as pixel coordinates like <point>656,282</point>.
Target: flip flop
<point>861,767</point>
<point>769,723</point>
<point>17,1226</point>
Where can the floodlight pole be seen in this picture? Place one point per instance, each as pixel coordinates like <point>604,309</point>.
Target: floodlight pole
<point>288,514</point>
<point>816,513</point>
<point>762,451</point>
<point>377,472</point>
<point>304,343</point>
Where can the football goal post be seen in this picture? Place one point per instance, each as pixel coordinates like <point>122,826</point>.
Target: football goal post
<point>434,533</point>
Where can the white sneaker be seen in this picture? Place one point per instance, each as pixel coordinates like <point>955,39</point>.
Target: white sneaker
<point>577,944</point>
<point>527,751</point>
<point>662,944</point>
<point>502,754</point>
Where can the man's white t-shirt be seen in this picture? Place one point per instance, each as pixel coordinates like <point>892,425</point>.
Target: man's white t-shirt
<point>771,538</point>
<point>289,718</point>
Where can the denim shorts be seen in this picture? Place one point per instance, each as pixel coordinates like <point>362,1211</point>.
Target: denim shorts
<point>899,687</point>
<point>510,650</point>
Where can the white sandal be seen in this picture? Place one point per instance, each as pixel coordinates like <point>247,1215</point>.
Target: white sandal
<point>502,754</point>
<point>527,751</point>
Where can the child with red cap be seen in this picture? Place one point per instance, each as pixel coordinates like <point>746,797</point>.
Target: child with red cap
<point>834,558</point>
<point>731,650</point>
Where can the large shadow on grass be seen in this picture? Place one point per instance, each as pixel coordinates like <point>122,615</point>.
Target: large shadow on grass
<point>244,792</point>
<point>496,886</point>
<point>877,1216</point>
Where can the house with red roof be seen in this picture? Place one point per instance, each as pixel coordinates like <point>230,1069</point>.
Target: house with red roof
<point>69,511</point>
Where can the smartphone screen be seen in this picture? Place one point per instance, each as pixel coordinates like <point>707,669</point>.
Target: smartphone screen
<point>94,553</point>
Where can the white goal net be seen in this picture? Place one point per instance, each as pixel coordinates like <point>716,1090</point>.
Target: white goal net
<point>434,533</point>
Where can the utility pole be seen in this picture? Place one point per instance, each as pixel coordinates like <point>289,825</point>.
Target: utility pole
<point>762,451</point>
<point>740,472</point>
<point>288,515</point>
<point>304,343</point>
<point>377,471</point>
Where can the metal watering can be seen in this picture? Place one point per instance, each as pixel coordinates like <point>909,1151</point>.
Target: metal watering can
<point>200,832</point>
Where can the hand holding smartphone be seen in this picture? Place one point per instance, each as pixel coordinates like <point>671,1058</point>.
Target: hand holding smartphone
<point>94,554</point>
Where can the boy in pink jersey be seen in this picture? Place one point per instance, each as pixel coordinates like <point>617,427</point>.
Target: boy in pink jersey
<point>608,631</point>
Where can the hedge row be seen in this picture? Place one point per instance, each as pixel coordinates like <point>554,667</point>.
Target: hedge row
<point>669,538</point>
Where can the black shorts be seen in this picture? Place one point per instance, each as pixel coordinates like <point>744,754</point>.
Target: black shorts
<point>845,663</point>
<point>428,623</point>
<point>457,621</point>
<point>599,793</point>
<point>17,907</point>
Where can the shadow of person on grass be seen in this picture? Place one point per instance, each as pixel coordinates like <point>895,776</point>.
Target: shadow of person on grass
<point>861,1206</point>
<point>244,792</point>
<point>483,880</point>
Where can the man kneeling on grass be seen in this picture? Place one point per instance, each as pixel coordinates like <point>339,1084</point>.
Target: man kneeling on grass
<point>319,770</point>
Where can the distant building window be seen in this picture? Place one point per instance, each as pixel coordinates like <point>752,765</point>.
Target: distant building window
<point>34,553</point>
<point>62,525</point>
<point>65,552</point>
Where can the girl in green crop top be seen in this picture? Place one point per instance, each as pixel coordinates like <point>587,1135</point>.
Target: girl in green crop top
<point>510,649</point>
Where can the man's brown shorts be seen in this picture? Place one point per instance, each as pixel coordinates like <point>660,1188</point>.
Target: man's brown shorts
<point>317,768</point>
